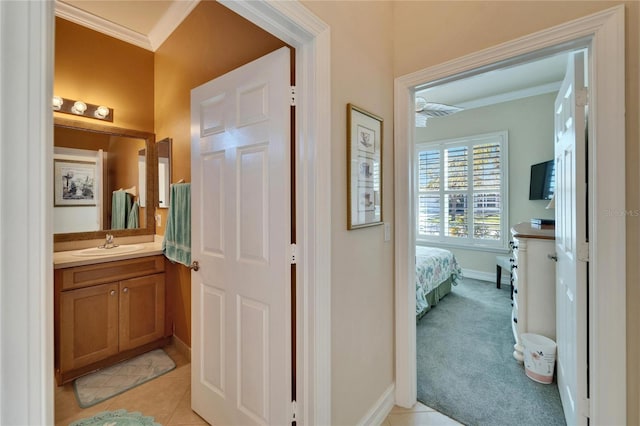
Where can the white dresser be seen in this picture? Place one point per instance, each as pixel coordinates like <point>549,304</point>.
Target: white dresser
<point>534,283</point>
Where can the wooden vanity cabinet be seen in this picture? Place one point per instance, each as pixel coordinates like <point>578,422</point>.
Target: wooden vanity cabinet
<point>142,303</point>
<point>88,325</point>
<point>108,312</point>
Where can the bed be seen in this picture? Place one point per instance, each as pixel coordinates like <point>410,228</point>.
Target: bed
<point>436,271</point>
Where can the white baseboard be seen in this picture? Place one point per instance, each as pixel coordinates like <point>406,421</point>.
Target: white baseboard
<point>182,347</point>
<point>378,413</point>
<point>486,276</point>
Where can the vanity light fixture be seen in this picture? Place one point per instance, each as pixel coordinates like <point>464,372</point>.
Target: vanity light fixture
<point>83,109</point>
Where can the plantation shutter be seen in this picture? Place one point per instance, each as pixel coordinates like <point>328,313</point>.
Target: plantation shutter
<point>486,191</point>
<point>461,191</point>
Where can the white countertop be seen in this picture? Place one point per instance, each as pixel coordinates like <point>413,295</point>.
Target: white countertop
<point>67,259</point>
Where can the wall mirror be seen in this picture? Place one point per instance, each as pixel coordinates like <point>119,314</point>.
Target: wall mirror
<point>164,172</point>
<point>104,181</point>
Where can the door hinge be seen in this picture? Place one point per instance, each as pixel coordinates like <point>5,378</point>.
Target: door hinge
<point>582,97</point>
<point>583,251</point>
<point>294,411</point>
<point>293,96</point>
<point>586,408</point>
<point>293,253</point>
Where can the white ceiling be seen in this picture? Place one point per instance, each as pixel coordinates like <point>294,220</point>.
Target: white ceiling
<point>148,23</point>
<point>529,79</point>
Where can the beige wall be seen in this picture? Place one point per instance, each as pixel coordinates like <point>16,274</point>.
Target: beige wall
<point>210,42</point>
<point>427,33</point>
<point>362,292</point>
<point>529,123</point>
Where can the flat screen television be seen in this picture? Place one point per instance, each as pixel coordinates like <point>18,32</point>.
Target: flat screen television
<point>543,181</point>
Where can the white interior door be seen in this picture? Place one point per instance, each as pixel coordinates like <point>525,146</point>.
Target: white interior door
<point>571,241</point>
<point>241,329</point>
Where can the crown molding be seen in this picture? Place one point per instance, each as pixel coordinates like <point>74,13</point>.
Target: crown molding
<point>80,17</point>
<point>176,13</point>
<point>511,96</point>
<point>173,17</point>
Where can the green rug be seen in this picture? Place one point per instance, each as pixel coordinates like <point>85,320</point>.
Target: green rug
<point>117,418</point>
<point>466,369</point>
<point>111,381</point>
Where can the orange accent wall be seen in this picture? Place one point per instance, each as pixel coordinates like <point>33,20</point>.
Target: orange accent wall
<point>102,70</point>
<point>210,42</point>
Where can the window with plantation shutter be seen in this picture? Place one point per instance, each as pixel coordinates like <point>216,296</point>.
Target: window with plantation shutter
<point>462,191</point>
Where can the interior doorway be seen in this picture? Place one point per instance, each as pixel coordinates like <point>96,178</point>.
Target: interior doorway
<point>511,107</point>
<point>31,72</point>
<point>603,32</point>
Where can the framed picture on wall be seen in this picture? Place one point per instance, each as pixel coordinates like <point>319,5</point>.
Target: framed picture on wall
<point>364,168</point>
<point>74,183</point>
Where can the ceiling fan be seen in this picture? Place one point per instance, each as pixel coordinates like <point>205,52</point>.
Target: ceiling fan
<point>426,110</point>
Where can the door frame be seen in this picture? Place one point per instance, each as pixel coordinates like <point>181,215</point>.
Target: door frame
<point>294,24</point>
<point>26,248</point>
<point>607,285</point>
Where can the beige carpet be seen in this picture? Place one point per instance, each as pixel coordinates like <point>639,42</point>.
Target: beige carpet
<point>111,381</point>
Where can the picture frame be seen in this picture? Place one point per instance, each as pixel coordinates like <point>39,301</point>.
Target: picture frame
<point>364,168</point>
<point>74,183</point>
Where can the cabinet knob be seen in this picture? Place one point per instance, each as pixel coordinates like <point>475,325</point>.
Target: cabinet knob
<point>515,320</point>
<point>125,290</point>
<point>112,293</point>
<point>195,265</point>
<point>515,291</point>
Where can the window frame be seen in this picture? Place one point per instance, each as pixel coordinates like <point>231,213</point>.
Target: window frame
<point>469,242</point>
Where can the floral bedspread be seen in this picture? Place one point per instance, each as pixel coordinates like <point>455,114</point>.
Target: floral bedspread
<point>433,266</point>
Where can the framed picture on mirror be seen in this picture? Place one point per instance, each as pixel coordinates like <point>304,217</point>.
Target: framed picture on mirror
<point>74,183</point>
<point>364,168</point>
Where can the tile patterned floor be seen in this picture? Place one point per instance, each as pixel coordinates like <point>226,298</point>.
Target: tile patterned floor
<point>418,415</point>
<point>168,400</point>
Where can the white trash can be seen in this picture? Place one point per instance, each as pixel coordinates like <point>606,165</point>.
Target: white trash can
<point>539,357</point>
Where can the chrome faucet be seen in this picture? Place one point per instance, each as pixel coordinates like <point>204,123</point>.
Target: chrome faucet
<point>108,242</point>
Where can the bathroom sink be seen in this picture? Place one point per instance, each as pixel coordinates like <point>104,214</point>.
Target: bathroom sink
<point>97,251</point>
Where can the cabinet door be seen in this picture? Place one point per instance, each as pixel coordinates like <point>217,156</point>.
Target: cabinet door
<point>141,310</point>
<point>88,325</point>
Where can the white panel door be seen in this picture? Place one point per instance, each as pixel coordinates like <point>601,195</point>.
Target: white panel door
<point>241,222</point>
<point>571,241</point>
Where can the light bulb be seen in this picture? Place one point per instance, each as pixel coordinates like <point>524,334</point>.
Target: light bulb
<point>79,107</point>
<point>57,103</point>
<point>101,112</point>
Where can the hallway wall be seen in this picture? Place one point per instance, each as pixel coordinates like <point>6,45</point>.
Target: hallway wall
<point>362,286</point>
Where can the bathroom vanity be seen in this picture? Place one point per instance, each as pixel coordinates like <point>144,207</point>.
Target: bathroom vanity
<point>107,308</point>
<point>109,282</point>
